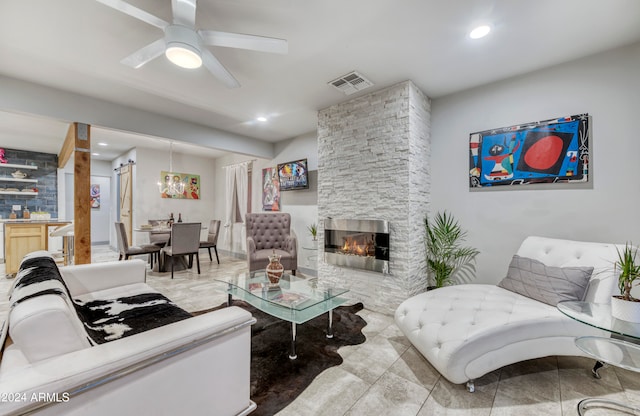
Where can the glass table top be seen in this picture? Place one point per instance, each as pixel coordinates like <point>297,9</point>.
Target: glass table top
<point>599,316</point>
<point>612,351</point>
<point>294,299</point>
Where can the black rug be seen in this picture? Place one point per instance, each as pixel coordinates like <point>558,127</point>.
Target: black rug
<point>275,379</point>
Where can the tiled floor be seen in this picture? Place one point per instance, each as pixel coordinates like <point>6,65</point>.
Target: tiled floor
<point>387,376</point>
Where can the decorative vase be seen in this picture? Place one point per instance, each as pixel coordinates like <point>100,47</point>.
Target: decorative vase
<point>274,268</point>
<point>625,310</point>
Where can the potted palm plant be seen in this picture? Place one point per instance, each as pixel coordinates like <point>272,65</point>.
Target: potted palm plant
<point>625,306</point>
<point>313,230</point>
<point>445,254</point>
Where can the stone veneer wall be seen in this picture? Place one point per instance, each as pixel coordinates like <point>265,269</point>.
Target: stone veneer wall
<point>46,174</point>
<point>373,163</point>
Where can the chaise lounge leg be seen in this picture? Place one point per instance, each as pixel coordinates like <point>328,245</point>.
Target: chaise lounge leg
<point>470,386</point>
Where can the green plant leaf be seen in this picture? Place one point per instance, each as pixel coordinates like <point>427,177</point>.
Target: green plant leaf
<point>445,254</point>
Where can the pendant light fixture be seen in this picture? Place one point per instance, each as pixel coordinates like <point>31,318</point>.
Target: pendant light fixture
<point>172,184</point>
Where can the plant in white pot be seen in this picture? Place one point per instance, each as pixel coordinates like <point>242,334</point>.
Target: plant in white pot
<point>625,306</point>
<point>445,254</point>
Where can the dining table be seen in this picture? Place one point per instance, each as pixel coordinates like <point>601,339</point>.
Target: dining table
<point>164,265</point>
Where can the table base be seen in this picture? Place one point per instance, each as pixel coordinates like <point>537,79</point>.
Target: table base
<point>293,355</point>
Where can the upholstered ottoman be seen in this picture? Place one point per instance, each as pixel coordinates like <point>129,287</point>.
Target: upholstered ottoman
<point>467,331</point>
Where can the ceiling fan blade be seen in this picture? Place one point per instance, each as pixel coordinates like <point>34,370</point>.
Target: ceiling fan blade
<point>146,54</point>
<point>133,11</point>
<point>238,40</point>
<point>218,70</point>
<point>184,12</point>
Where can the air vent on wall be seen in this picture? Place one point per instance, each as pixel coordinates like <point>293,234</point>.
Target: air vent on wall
<point>350,83</point>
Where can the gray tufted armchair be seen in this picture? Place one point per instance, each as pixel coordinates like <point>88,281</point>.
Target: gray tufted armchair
<point>269,232</point>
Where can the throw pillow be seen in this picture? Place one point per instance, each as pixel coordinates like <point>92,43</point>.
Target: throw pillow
<point>547,284</point>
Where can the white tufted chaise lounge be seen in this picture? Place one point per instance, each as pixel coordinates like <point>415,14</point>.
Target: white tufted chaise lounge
<point>467,331</point>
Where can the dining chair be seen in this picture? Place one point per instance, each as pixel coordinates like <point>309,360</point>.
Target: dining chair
<point>185,240</point>
<point>127,251</point>
<point>212,239</point>
<point>159,239</point>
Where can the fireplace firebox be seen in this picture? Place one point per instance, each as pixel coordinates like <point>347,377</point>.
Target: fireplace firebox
<point>358,244</point>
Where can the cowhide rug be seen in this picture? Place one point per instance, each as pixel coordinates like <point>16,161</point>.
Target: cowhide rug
<point>275,379</point>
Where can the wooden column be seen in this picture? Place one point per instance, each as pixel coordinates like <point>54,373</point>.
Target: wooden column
<point>78,145</point>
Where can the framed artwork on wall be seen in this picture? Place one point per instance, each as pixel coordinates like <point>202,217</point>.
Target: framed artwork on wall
<point>95,196</point>
<point>293,175</point>
<point>548,151</point>
<point>270,190</point>
<point>179,185</point>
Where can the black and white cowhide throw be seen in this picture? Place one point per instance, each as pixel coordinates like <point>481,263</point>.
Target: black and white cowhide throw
<point>38,275</point>
<point>107,320</point>
<point>104,320</point>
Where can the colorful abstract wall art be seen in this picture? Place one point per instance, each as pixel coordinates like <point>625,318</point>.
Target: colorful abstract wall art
<point>179,185</point>
<point>95,196</point>
<point>270,190</point>
<point>549,151</point>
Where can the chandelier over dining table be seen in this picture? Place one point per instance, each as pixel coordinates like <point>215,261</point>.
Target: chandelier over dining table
<point>171,185</point>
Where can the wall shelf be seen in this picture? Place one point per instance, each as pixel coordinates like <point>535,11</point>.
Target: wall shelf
<point>18,180</point>
<point>17,193</point>
<point>11,165</point>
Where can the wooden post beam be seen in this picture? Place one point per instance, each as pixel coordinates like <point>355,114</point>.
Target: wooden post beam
<point>78,144</point>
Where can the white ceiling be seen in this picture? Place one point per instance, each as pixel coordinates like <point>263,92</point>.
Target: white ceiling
<point>77,45</point>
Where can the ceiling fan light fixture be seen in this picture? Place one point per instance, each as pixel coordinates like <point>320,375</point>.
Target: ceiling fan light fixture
<point>480,32</point>
<point>183,47</point>
<point>183,56</point>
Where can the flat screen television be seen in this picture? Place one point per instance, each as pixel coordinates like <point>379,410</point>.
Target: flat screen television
<point>293,175</point>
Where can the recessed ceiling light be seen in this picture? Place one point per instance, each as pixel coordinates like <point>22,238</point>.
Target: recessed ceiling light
<point>102,144</point>
<point>480,32</point>
<point>262,119</point>
<point>95,154</point>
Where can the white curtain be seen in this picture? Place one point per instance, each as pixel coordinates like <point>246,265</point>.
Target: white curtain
<point>230,181</point>
<point>242,187</point>
<point>236,179</point>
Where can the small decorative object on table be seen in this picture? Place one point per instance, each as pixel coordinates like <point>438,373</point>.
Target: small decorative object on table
<point>625,306</point>
<point>274,268</point>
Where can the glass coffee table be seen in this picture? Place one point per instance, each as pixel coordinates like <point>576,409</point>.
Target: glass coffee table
<point>293,299</point>
<point>620,353</point>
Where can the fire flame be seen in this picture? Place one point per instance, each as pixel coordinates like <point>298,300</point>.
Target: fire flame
<point>358,246</point>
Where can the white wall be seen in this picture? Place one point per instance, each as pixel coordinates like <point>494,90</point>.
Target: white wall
<point>302,204</point>
<point>607,86</point>
<point>147,202</point>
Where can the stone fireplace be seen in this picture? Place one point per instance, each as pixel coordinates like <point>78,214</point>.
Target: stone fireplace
<point>358,244</point>
<point>373,163</point>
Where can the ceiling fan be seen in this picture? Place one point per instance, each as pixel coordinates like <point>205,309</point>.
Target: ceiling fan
<point>184,45</point>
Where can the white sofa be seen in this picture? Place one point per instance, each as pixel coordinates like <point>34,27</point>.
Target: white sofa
<point>195,366</point>
<point>467,331</point>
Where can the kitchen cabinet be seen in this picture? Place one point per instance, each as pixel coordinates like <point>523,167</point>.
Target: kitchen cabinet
<point>21,238</point>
